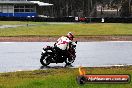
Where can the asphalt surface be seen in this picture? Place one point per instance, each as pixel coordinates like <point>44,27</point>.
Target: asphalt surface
<point>19,56</point>
<point>14,26</point>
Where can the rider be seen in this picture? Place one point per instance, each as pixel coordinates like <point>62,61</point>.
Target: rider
<point>63,42</point>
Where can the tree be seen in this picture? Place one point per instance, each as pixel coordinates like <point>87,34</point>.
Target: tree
<point>125,8</point>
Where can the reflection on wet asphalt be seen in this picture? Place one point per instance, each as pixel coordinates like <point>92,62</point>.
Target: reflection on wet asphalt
<point>17,56</point>
<point>55,67</point>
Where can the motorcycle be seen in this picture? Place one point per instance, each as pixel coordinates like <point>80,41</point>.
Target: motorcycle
<point>55,55</point>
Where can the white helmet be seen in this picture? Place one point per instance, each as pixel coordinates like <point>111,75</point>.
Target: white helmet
<point>70,36</point>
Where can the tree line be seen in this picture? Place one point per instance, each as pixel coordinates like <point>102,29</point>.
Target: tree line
<point>82,8</point>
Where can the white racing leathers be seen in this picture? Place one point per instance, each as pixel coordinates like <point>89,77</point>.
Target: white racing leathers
<point>63,43</point>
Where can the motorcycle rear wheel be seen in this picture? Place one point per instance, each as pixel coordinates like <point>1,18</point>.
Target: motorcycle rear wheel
<point>45,59</point>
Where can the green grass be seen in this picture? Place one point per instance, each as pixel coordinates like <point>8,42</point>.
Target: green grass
<point>59,78</point>
<point>11,22</point>
<point>79,29</point>
<point>18,22</point>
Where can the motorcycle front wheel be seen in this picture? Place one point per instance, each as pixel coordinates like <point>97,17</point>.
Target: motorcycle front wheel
<point>45,59</point>
<point>69,61</point>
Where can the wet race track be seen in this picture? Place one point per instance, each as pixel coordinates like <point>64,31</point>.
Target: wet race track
<point>17,56</point>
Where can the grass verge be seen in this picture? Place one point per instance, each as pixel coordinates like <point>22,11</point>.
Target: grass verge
<point>79,29</point>
<point>59,78</point>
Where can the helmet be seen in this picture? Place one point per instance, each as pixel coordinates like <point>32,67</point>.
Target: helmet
<point>70,35</point>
